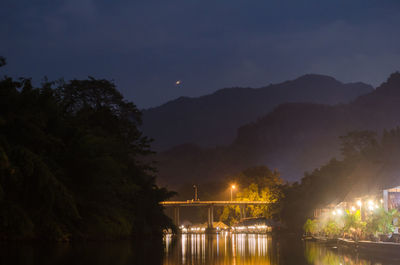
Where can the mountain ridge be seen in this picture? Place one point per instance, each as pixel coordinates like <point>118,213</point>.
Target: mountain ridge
<point>293,138</point>
<point>212,119</point>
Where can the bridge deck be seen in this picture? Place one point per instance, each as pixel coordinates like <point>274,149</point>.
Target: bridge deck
<point>211,203</point>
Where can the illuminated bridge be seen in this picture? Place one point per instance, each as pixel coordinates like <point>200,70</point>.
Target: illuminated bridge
<point>210,205</point>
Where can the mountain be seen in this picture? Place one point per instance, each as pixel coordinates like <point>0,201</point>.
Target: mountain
<point>213,119</point>
<point>293,138</point>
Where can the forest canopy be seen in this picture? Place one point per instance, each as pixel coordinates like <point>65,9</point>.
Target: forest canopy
<point>369,164</point>
<point>70,163</point>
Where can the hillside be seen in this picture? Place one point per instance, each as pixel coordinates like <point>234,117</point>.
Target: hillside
<point>294,138</point>
<point>213,119</point>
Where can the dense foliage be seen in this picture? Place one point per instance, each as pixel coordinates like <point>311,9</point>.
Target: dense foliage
<point>382,222</point>
<point>70,163</point>
<point>256,184</point>
<point>369,165</point>
<point>352,225</point>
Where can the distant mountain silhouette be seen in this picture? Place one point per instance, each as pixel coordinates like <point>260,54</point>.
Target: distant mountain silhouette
<point>294,138</point>
<point>213,119</point>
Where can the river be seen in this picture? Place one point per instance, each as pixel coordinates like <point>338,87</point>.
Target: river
<point>195,249</point>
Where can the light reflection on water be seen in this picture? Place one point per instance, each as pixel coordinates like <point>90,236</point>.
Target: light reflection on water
<point>218,249</point>
<point>257,249</point>
<point>320,255</point>
<point>197,249</point>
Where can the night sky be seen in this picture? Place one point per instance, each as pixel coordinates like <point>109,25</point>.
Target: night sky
<point>146,46</point>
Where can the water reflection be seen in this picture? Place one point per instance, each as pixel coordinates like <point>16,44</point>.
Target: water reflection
<point>219,249</point>
<point>195,249</point>
<point>83,253</point>
<point>317,254</point>
<point>255,249</point>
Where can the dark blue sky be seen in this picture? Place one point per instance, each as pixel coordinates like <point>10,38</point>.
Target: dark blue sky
<point>145,46</point>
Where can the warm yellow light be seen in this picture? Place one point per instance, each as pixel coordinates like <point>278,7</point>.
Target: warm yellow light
<point>339,212</point>
<point>334,212</point>
<point>233,187</point>
<point>359,203</point>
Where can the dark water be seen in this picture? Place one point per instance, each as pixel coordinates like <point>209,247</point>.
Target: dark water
<point>260,249</point>
<point>224,249</point>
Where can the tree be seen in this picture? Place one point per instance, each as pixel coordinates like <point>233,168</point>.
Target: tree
<point>257,184</point>
<point>333,181</point>
<point>311,227</point>
<point>381,222</point>
<point>358,142</point>
<point>353,224</point>
<point>331,229</point>
<point>72,163</point>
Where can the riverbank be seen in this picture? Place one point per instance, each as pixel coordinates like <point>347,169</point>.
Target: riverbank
<point>382,249</point>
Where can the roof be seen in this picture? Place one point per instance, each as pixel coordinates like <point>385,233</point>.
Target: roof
<point>257,221</point>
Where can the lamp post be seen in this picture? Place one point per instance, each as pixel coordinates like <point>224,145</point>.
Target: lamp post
<point>195,193</point>
<point>232,188</point>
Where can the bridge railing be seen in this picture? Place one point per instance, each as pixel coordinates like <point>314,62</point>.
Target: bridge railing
<point>214,203</point>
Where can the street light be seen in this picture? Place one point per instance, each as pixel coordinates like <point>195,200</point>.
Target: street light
<point>232,188</point>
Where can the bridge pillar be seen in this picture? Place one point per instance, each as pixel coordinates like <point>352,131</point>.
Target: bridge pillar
<point>242,211</point>
<point>210,216</point>
<point>176,216</point>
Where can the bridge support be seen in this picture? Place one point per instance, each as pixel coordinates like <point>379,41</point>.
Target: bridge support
<point>176,216</point>
<point>243,211</point>
<point>210,216</point>
<point>210,206</point>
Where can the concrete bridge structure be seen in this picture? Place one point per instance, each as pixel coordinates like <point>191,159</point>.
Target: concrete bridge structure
<point>210,205</point>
